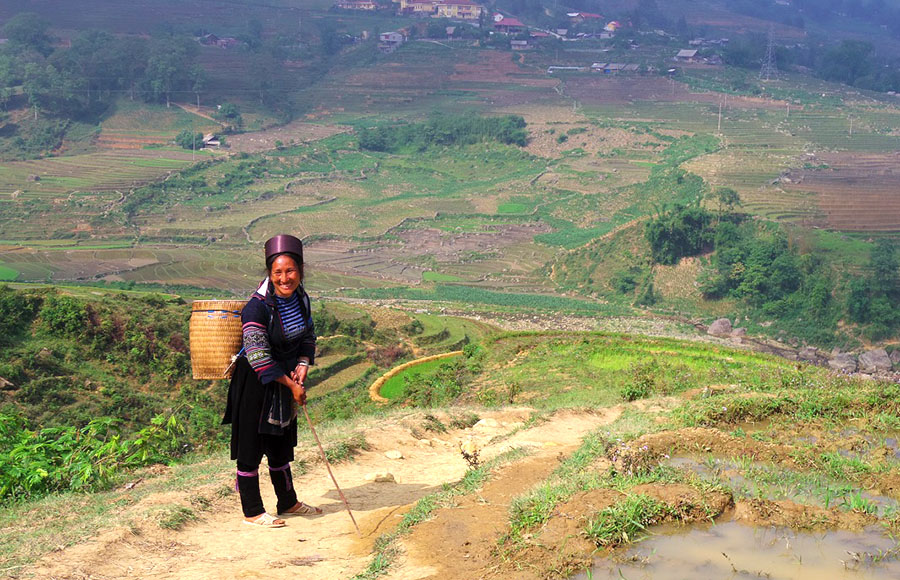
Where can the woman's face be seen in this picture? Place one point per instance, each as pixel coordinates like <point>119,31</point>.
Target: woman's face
<point>285,275</point>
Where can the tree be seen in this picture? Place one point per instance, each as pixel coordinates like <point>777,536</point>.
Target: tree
<point>682,231</point>
<point>168,67</point>
<point>36,83</point>
<point>264,71</point>
<point>189,140</point>
<point>7,79</point>
<point>28,31</point>
<point>847,62</point>
<point>726,199</point>
<point>132,63</point>
<point>95,54</point>
<point>885,268</point>
<point>229,113</point>
<point>198,81</point>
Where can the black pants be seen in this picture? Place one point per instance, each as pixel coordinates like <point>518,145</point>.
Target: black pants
<point>282,481</point>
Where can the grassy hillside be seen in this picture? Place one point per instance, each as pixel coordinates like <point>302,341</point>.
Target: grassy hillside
<point>598,438</point>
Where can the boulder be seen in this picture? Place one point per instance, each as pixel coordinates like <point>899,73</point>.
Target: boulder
<point>808,353</point>
<point>876,360</point>
<point>739,332</point>
<point>844,362</point>
<point>721,327</point>
<point>381,477</point>
<point>393,454</point>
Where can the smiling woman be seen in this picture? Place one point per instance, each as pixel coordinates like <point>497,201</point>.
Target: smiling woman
<point>279,344</point>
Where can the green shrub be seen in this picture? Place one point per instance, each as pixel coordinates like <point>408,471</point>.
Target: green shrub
<point>642,380</point>
<point>445,130</point>
<point>35,463</point>
<point>624,521</point>
<point>187,139</point>
<point>63,315</point>
<point>17,310</point>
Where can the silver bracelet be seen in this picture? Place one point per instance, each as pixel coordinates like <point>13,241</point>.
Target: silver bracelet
<point>302,363</point>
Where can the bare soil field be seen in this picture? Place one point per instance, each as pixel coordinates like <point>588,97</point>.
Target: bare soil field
<point>855,192</point>
<point>396,260</point>
<point>293,132</point>
<point>623,89</point>
<point>106,170</point>
<point>499,67</point>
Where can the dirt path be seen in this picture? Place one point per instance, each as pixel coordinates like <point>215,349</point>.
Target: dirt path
<point>219,546</point>
<point>459,543</point>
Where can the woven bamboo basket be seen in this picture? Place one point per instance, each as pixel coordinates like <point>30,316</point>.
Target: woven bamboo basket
<point>215,332</point>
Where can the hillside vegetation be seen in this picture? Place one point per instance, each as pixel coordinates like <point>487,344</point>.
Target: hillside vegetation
<point>609,433</point>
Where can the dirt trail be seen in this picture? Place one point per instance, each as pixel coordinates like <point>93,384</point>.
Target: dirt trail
<point>220,546</point>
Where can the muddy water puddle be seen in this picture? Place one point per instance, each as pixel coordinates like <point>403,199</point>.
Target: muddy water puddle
<point>848,442</point>
<point>732,550</point>
<point>751,479</point>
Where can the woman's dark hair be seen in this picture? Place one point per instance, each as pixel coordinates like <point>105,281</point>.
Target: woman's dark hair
<point>299,263</point>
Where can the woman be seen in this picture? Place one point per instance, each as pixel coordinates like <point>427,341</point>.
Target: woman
<point>267,385</point>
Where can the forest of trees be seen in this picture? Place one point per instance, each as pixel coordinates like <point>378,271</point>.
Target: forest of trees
<point>754,263</point>
<point>852,62</point>
<point>77,80</point>
<point>442,130</point>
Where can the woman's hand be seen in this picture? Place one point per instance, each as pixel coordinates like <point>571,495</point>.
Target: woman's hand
<point>300,372</point>
<point>296,387</point>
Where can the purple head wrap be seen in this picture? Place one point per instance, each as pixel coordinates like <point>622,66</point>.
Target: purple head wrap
<point>284,244</point>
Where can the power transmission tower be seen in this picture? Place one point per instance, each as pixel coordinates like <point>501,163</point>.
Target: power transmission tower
<point>769,69</point>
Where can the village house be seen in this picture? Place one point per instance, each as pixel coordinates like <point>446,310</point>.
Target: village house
<point>208,39</point>
<point>560,68</point>
<point>508,25</point>
<point>213,40</point>
<point>614,68</point>
<point>579,17</point>
<point>417,7</point>
<point>520,45</point>
<point>687,55</point>
<point>458,9</point>
<point>210,140</point>
<point>356,4</point>
<point>388,42</point>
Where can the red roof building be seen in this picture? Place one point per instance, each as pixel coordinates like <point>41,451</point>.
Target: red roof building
<point>509,25</point>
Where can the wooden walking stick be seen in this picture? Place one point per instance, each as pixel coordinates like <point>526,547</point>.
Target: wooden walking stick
<point>328,466</point>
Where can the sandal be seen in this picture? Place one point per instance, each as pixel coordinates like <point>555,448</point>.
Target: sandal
<point>266,520</point>
<point>302,509</point>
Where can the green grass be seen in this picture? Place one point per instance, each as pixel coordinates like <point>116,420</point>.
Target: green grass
<point>559,369</point>
<point>175,517</point>
<point>512,207</point>
<point>393,388</point>
<point>430,276</point>
<point>625,521</point>
<point>345,450</point>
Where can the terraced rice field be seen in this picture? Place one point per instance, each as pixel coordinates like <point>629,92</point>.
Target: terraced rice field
<point>101,171</point>
<point>855,193</point>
